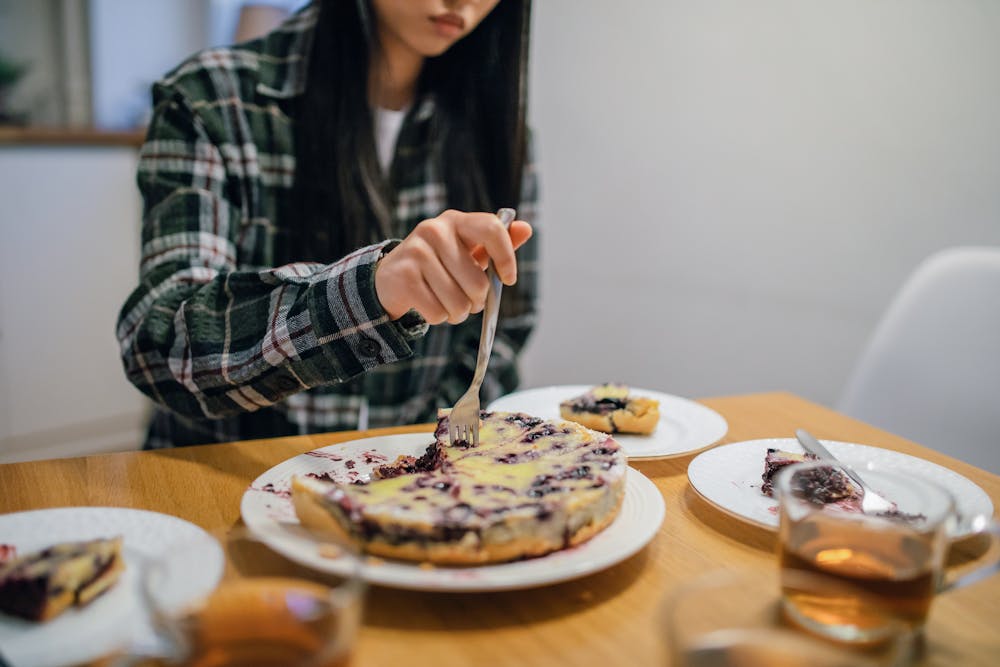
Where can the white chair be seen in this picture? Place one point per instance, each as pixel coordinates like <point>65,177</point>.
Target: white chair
<point>931,372</point>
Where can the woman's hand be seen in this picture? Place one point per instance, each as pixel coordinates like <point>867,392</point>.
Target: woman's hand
<point>439,269</point>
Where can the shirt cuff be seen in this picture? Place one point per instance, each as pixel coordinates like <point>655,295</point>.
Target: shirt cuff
<point>412,324</point>
<point>352,327</point>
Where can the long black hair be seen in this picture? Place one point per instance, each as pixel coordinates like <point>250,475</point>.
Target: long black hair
<point>342,200</point>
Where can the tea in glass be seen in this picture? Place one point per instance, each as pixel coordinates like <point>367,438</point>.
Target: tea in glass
<point>864,577</point>
<point>266,622</point>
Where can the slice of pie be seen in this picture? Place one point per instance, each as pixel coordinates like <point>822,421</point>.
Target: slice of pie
<point>613,409</point>
<point>42,585</point>
<point>775,460</point>
<point>529,488</point>
<point>820,485</point>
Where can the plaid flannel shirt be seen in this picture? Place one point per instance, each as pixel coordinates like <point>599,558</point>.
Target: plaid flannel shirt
<point>228,345</point>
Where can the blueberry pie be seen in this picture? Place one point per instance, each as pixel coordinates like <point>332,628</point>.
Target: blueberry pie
<point>42,585</point>
<point>821,485</point>
<point>611,408</point>
<point>529,488</point>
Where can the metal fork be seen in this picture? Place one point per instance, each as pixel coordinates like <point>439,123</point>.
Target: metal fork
<point>463,422</point>
<point>872,502</point>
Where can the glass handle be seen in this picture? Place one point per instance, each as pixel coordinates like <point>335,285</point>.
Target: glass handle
<point>980,525</point>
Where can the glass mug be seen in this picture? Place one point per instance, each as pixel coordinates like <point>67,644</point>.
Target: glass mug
<point>727,618</point>
<point>856,577</point>
<point>274,615</point>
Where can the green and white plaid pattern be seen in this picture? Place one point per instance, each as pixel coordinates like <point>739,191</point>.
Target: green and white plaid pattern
<point>230,346</point>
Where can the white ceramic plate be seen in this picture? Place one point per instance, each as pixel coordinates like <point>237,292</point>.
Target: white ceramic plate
<point>267,511</point>
<point>729,477</point>
<point>117,617</point>
<point>685,426</point>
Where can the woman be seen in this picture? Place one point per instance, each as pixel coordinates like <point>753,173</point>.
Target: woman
<point>275,297</point>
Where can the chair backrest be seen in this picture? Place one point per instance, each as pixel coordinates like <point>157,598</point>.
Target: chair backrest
<point>931,372</point>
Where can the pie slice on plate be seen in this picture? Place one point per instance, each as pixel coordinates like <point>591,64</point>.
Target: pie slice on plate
<point>41,585</point>
<point>612,408</point>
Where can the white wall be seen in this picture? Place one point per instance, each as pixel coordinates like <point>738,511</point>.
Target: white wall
<point>69,252</point>
<point>733,190</point>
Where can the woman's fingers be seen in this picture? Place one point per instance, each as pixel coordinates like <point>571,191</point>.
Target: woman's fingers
<point>457,298</point>
<point>520,231</point>
<point>438,269</point>
<point>454,259</point>
<point>485,229</point>
<point>427,304</point>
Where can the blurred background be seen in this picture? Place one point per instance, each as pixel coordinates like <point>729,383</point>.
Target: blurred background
<point>732,192</point>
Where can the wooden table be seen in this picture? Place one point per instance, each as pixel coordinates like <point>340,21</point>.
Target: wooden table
<point>609,618</point>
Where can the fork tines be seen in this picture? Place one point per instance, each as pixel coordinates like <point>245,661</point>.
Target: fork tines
<point>464,433</point>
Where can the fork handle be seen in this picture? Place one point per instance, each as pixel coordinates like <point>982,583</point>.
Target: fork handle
<point>814,446</point>
<point>491,310</point>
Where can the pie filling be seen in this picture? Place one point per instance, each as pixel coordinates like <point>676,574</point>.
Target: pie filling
<point>775,460</point>
<point>601,400</point>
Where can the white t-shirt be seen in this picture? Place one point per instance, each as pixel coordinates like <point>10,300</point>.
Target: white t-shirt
<point>388,122</point>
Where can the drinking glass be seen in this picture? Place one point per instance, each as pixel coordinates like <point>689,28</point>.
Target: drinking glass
<point>267,613</point>
<point>733,619</point>
<point>855,576</point>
